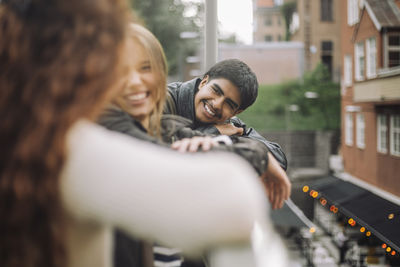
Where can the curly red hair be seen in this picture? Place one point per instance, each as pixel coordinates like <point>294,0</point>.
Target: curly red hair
<point>58,61</point>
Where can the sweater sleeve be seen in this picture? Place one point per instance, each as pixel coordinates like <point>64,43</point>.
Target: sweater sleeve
<point>189,201</point>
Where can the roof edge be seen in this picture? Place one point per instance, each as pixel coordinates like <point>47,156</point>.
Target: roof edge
<point>378,26</point>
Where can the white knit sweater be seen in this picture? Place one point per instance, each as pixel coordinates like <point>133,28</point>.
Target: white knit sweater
<point>190,201</point>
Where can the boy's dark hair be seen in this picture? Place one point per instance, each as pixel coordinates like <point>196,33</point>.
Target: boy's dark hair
<point>240,75</point>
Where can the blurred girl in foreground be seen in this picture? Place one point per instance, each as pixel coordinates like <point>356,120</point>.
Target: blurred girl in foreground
<point>64,181</point>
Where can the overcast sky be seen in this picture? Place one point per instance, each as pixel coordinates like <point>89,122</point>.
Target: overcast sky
<point>235,16</point>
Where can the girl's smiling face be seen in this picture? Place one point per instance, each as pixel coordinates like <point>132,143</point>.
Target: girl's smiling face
<point>138,97</point>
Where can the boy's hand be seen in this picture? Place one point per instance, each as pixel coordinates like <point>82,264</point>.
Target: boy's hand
<point>276,183</point>
<point>194,144</point>
<point>229,129</point>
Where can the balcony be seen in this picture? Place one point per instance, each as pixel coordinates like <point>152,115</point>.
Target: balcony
<point>386,87</point>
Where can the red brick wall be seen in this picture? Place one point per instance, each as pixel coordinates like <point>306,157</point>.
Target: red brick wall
<point>382,170</point>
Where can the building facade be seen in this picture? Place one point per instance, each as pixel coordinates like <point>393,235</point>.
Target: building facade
<point>316,23</point>
<point>358,209</point>
<point>371,92</point>
<point>273,63</point>
<point>268,22</point>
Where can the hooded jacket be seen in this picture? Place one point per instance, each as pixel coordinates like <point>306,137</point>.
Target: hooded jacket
<point>180,101</point>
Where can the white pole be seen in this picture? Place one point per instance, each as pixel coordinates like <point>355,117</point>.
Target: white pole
<point>210,40</point>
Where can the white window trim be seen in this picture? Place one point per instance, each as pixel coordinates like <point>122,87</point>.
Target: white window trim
<point>352,12</point>
<point>358,53</point>
<point>388,48</point>
<point>381,129</point>
<point>371,56</point>
<point>348,70</point>
<point>394,131</point>
<point>360,130</point>
<point>348,129</point>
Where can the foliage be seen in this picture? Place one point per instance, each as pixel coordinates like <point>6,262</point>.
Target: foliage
<point>166,20</point>
<point>287,10</point>
<point>270,111</point>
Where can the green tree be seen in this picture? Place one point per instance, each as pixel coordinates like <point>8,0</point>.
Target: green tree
<point>166,20</point>
<point>270,111</point>
<point>287,10</point>
<point>325,105</point>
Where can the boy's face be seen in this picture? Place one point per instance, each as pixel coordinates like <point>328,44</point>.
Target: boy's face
<point>216,101</point>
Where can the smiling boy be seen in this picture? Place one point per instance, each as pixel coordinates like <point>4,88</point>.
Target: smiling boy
<point>212,103</point>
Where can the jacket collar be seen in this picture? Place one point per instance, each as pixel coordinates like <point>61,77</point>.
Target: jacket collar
<point>185,99</point>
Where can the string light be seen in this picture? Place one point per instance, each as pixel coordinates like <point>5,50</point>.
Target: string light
<point>315,194</point>
<point>393,253</point>
<point>368,233</point>
<point>388,249</point>
<point>312,192</point>
<point>362,229</point>
<point>384,245</point>
<point>306,188</point>
<point>323,201</point>
<point>390,216</point>
<point>312,230</point>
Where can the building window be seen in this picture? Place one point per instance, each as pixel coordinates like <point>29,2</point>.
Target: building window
<point>371,57</point>
<point>392,55</point>
<point>268,38</point>
<point>348,70</point>
<point>327,55</point>
<point>360,130</point>
<point>349,129</point>
<point>352,12</point>
<point>395,135</point>
<point>268,21</point>
<point>382,133</point>
<point>359,61</point>
<point>326,10</point>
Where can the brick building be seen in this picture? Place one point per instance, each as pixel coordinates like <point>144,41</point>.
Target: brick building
<point>371,92</point>
<point>316,23</point>
<point>268,23</point>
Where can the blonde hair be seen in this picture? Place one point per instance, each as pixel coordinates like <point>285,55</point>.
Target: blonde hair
<point>159,67</point>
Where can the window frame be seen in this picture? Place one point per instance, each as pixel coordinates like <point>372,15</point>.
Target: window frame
<point>359,53</point>
<point>268,21</point>
<point>381,133</point>
<point>394,138</point>
<point>348,70</point>
<point>352,12</point>
<point>349,128</point>
<point>360,130</point>
<point>371,59</point>
<point>326,9</point>
<point>389,49</point>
